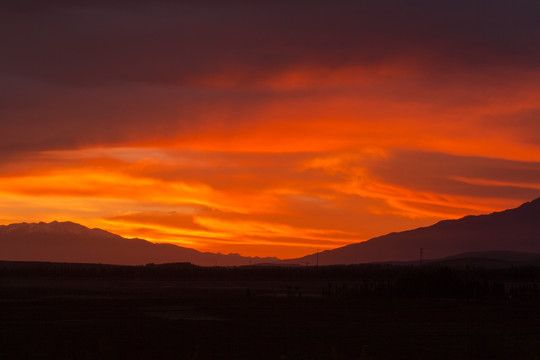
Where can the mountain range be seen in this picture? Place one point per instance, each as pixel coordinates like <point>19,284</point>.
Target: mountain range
<point>71,242</point>
<point>514,230</point>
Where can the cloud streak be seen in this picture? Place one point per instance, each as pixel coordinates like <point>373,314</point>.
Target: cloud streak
<point>285,204</point>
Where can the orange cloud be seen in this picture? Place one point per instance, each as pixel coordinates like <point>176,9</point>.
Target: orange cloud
<point>266,204</point>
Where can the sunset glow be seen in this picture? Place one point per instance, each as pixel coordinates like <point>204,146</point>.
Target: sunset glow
<point>326,131</point>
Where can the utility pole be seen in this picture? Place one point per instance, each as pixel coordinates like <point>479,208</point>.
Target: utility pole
<point>421,255</point>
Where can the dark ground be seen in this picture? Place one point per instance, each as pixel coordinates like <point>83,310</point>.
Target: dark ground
<point>59,311</point>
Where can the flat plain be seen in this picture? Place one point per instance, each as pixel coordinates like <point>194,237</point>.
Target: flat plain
<point>59,311</point>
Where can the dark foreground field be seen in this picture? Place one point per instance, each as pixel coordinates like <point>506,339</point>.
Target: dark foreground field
<point>62,311</point>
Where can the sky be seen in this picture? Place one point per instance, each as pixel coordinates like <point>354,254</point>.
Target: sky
<point>267,128</point>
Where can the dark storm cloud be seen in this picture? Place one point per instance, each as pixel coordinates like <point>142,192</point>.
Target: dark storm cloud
<point>37,116</point>
<point>90,73</point>
<point>461,175</point>
<point>524,124</point>
<point>171,42</point>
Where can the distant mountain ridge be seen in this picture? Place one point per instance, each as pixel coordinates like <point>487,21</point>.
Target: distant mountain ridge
<point>483,259</point>
<point>516,230</point>
<point>71,242</point>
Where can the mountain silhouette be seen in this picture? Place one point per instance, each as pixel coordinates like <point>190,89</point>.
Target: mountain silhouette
<point>516,230</point>
<point>71,242</point>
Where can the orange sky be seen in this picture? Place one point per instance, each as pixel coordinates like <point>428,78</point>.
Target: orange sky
<point>276,145</point>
